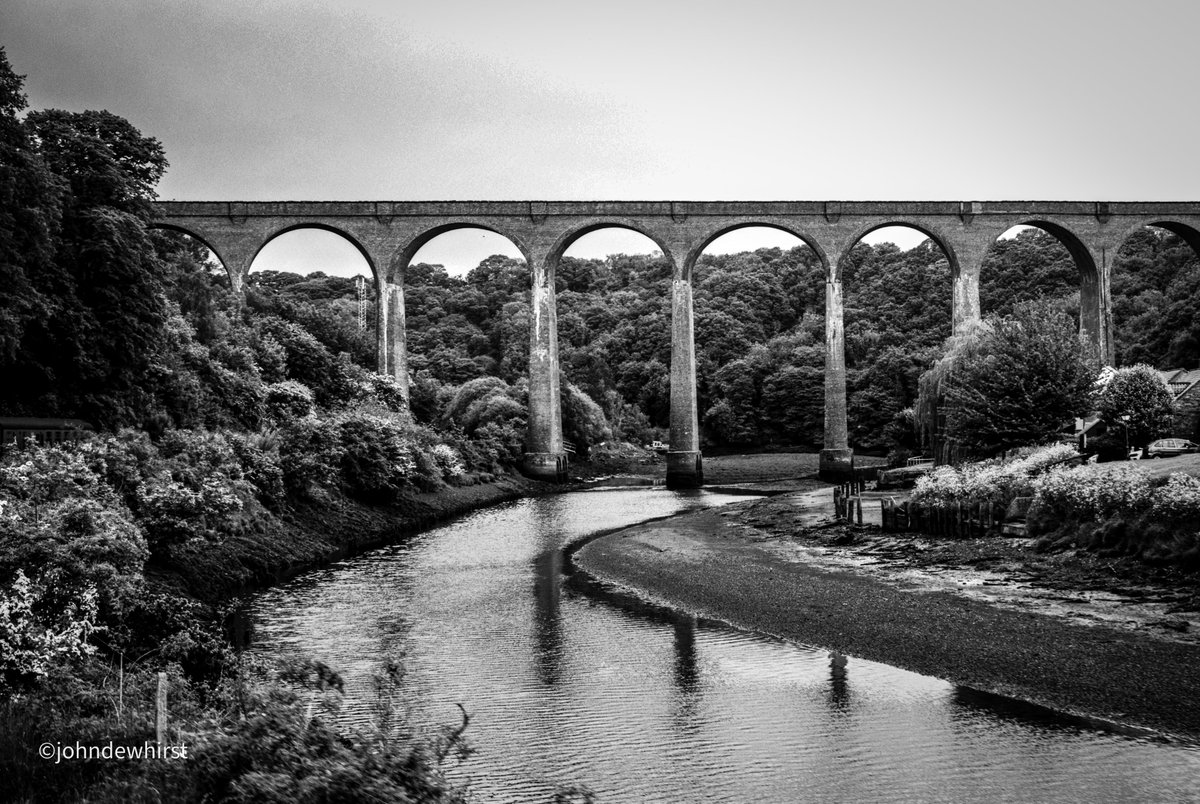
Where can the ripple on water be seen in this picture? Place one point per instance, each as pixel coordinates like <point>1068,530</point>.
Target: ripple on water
<point>644,704</point>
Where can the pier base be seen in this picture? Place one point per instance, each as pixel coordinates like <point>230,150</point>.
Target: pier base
<point>548,466</point>
<point>836,465</point>
<point>685,470</point>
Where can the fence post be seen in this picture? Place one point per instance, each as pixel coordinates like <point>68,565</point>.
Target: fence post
<point>858,508</point>
<point>160,711</point>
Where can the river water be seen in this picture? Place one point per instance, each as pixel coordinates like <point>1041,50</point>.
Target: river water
<point>568,682</point>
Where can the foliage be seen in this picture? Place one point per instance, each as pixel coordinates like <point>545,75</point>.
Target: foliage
<point>996,481</point>
<point>1093,492</point>
<point>1118,511</point>
<point>377,456</point>
<point>196,488</point>
<point>583,421</point>
<point>287,400</point>
<point>310,455</point>
<point>29,644</point>
<point>85,315</point>
<point>1014,382</point>
<point>1136,397</point>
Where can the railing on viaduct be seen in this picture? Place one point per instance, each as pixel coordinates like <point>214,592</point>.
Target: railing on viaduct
<point>389,233</point>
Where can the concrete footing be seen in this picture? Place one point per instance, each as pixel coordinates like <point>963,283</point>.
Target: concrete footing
<point>685,470</point>
<point>836,465</point>
<point>548,466</point>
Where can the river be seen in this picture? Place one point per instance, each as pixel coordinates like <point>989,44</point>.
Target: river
<point>571,683</point>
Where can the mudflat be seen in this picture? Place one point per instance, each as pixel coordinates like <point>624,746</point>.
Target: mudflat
<point>778,566</point>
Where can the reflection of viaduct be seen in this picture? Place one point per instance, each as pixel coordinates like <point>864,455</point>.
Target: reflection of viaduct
<point>389,233</point>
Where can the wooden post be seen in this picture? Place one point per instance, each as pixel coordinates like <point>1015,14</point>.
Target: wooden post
<point>858,508</point>
<point>160,711</point>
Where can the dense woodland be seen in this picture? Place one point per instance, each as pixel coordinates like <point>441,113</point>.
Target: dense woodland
<point>759,328</point>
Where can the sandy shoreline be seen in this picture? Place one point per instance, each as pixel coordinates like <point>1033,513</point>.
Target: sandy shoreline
<point>732,565</point>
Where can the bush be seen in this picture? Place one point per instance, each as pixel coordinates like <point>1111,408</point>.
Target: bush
<point>310,455</point>
<point>58,515</point>
<point>198,484</point>
<point>448,461</point>
<point>377,458</point>
<point>288,400</point>
<point>998,481</point>
<point>1092,492</point>
<point>1177,500</point>
<point>259,456</point>
<point>32,643</point>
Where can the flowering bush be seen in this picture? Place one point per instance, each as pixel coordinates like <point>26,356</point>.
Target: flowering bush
<point>997,480</point>
<point>195,486</point>
<point>1178,499</point>
<point>448,461</point>
<point>173,511</point>
<point>1093,492</point>
<point>30,644</point>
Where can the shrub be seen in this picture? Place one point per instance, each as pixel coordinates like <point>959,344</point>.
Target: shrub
<point>377,458</point>
<point>288,400</point>
<point>196,486</point>
<point>1093,492</point>
<point>1177,500</point>
<point>448,461</point>
<point>259,456</point>
<point>31,643</point>
<point>310,455</point>
<point>999,480</point>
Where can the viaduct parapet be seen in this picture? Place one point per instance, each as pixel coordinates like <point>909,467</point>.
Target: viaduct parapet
<point>389,234</point>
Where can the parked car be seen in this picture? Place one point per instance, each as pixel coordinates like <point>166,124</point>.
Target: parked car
<point>1167,447</point>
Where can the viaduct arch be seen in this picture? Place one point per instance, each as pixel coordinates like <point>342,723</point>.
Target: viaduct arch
<point>388,233</point>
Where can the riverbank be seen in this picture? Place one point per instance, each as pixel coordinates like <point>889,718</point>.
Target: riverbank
<point>777,566</point>
<point>306,536</point>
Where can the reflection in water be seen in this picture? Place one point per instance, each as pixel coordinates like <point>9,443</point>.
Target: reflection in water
<point>585,685</point>
<point>686,675</point>
<point>839,690</point>
<point>547,627</point>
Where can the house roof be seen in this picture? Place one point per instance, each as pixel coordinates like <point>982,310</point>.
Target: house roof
<point>1180,380</point>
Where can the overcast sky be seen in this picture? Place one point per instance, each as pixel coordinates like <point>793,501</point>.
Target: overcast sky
<point>614,99</point>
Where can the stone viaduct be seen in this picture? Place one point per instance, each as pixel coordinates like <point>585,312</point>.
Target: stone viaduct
<point>389,233</point>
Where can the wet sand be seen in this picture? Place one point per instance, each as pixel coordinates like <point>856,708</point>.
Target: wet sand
<point>777,567</point>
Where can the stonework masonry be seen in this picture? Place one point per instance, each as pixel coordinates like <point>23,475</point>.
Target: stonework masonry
<point>389,233</point>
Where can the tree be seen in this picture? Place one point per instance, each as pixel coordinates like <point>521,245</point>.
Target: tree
<point>84,313</point>
<point>1137,398</point>
<point>1028,375</point>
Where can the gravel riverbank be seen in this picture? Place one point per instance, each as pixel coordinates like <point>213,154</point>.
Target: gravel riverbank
<point>749,565</point>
